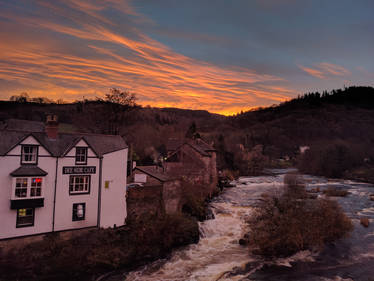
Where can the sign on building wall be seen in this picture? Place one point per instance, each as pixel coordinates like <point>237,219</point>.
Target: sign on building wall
<point>79,170</point>
<point>140,178</point>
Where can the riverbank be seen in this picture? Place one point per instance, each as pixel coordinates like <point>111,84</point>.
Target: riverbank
<point>219,256</point>
<point>99,251</point>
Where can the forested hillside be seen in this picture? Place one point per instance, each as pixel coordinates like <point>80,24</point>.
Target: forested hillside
<point>338,127</point>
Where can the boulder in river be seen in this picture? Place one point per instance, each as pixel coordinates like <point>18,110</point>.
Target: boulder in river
<point>365,221</point>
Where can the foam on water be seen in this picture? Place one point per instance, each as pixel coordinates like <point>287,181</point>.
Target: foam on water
<point>218,250</point>
<point>218,256</point>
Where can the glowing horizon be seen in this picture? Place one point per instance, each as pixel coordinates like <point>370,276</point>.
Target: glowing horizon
<point>79,48</point>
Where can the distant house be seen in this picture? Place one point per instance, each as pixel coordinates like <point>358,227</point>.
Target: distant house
<point>155,176</point>
<point>149,175</point>
<point>193,160</point>
<point>59,181</point>
<point>160,189</point>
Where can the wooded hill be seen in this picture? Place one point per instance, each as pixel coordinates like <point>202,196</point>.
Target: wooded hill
<point>341,120</point>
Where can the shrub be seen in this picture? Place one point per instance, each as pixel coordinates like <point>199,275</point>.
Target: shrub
<point>286,223</point>
<point>194,200</point>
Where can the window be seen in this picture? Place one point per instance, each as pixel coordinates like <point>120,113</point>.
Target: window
<point>25,217</point>
<point>79,184</point>
<point>29,154</point>
<point>79,211</point>
<point>36,187</point>
<point>23,185</point>
<point>81,155</point>
<point>21,188</point>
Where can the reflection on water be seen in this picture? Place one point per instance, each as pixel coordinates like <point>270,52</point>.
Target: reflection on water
<point>218,255</point>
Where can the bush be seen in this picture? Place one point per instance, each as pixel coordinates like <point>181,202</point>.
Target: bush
<point>286,223</point>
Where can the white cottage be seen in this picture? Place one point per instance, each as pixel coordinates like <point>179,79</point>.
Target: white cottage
<point>60,181</point>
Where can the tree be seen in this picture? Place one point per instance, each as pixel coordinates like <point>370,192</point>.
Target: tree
<point>22,98</point>
<point>192,131</point>
<point>119,97</point>
<point>120,104</point>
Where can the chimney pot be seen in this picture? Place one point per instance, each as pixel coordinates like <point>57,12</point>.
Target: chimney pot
<point>51,126</point>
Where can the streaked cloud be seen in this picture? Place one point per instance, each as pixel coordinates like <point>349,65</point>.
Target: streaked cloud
<point>325,70</point>
<point>109,56</point>
<point>239,55</point>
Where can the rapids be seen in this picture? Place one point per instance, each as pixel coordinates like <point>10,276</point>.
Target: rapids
<point>218,255</point>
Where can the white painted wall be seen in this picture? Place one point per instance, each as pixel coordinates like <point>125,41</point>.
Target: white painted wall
<point>43,215</point>
<point>65,201</point>
<point>113,198</point>
<point>113,205</point>
<point>81,143</point>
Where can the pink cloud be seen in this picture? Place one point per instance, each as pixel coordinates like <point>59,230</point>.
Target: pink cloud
<point>325,70</point>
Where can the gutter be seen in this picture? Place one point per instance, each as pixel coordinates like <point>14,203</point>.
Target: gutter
<point>54,197</point>
<point>99,195</point>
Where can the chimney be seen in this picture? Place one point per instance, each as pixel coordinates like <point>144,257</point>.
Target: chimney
<point>51,126</point>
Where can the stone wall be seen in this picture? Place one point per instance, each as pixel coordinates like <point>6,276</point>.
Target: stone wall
<point>20,242</point>
<point>172,196</point>
<point>144,201</point>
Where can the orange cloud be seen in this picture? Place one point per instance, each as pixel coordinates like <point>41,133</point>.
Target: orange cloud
<point>325,70</point>
<point>108,57</point>
<point>334,69</point>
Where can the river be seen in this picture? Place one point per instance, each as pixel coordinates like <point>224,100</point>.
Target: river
<point>218,255</point>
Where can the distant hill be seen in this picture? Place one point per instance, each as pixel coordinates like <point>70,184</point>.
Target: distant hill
<point>337,126</point>
<point>340,114</point>
<point>314,119</point>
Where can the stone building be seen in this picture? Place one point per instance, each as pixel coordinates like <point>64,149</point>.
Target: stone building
<point>192,160</point>
<point>158,193</point>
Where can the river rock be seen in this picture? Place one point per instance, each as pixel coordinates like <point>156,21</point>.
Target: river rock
<point>243,242</point>
<point>365,222</point>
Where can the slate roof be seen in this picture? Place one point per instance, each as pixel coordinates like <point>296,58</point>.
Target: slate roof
<point>153,171</point>
<point>27,171</point>
<point>173,144</point>
<point>198,144</point>
<point>23,125</point>
<point>100,144</point>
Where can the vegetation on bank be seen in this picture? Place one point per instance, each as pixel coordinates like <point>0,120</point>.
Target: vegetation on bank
<point>99,251</point>
<point>287,222</point>
<point>339,123</point>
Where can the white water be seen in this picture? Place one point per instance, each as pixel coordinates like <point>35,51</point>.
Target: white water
<point>218,252</point>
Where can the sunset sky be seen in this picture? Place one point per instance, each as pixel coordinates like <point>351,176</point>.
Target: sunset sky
<point>219,55</point>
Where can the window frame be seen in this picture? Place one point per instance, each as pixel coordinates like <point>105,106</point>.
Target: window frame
<point>29,186</point>
<point>21,181</point>
<point>36,187</point>
<point>34,146</point>
<point>80,192</point>
<point>74,212</point>
<point>85,149</point>
<point>18,225</point>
